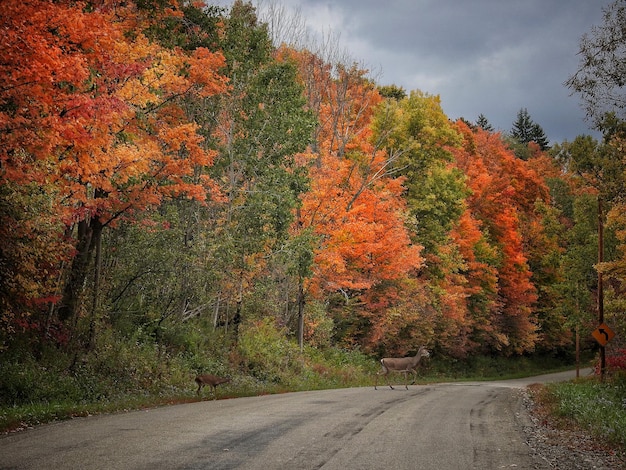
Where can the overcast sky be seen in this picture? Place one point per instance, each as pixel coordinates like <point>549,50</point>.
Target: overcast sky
<point>480,56</point>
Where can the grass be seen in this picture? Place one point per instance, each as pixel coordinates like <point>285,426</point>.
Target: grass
<point>483,368</point>
<point>597,407</point>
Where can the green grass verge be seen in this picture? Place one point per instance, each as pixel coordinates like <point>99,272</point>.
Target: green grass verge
<point>598,407</point>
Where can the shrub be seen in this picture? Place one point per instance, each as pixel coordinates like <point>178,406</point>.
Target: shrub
<point>27,381</point>
<point>266,352</point>
<point>616,361</point>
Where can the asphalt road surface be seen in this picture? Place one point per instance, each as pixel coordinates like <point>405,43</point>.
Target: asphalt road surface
<point>449,426</point>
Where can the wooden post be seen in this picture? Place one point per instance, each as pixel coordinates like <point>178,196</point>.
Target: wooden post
<point>577,350</point>
<point>600,285</point>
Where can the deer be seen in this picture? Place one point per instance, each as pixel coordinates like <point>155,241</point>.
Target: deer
<point>401,364</point>
<point>212,381</point>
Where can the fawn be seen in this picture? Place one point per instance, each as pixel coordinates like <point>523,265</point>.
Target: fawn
<point>210,380</point>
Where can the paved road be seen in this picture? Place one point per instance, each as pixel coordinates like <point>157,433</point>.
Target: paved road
<point>477,425</point>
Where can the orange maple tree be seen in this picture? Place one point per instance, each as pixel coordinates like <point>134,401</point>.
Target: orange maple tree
<point>365,242</point>
<point>354,206</point>
<point>90,108</point>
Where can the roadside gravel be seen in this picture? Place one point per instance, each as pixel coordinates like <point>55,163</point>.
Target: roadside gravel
<point>567,449</point>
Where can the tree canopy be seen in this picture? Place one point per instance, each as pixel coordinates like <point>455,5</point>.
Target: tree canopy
<point>168,174</point>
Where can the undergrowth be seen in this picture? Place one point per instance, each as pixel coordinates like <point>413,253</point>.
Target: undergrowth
<point>128,373</point>
<point>132,373</point>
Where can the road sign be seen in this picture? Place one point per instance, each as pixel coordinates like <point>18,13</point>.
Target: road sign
<point>603,334</point>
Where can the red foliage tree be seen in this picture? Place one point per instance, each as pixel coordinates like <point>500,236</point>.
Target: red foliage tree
<point>504,192</point>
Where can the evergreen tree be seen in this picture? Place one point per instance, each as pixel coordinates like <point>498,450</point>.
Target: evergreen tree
<point>484,123</point>
<point>525,130</point>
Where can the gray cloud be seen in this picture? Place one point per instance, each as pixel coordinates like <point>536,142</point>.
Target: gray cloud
<point>482,56</point>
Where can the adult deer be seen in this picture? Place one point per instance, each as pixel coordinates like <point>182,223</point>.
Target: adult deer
<point>212,381</point>
<point>401,364</point>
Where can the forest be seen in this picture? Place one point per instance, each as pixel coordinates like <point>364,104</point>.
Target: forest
<point>180,193</point>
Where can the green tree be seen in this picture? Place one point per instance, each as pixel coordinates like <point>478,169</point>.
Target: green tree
<point>417,130</point>
<point>546,248</point>
<point>600,169</point>
<point>578,288</point>
<point>392,91</point>
<point>599,165</point>
<point>205,261</point>
<point>261,126</point>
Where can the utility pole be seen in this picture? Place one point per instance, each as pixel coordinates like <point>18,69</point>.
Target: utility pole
<point>600,285</point>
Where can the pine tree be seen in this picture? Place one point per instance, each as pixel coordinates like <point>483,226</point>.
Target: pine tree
<point>539,137</point>
<point>525,130</point>
<point>484,123</point>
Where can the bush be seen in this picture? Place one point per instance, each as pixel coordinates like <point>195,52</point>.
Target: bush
<point>615,362</point>
<point>27,381</point>
<point>266,352</point>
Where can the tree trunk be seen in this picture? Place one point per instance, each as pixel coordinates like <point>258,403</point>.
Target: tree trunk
<point>78,270</point>
<point>300,314</point>
<point>216,311</point>
<point>236,321</point>
<point>89,231</point>
<point>97,242</point>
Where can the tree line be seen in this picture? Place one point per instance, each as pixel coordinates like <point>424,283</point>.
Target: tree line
<point>169,173</point>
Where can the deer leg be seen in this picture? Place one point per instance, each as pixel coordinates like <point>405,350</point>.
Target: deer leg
<point>376,380</point>
<point>389,381</point>
<point>199,387</point>
<point>386,374</point>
